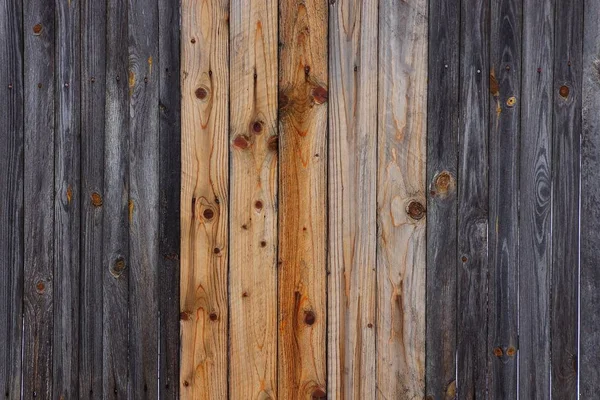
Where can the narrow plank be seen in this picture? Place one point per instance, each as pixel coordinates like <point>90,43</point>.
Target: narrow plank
<point>568,64</point>
<point>352,199</point>
<point>535,175</point>
<point>11,201</point>
<point>39,50</point>
<point>253,222</point>
<point>143,197</point>
<point>115,226</point>
<point>93,95</point>
<point>205,200</point>
<point>67,201</point>
<point>442,164</point>
<point>402,123</point>
<point>503,148</point>
<point>303,196</point>
<point>589,375</point>
<point>472,350</point>
<point>169,184</point>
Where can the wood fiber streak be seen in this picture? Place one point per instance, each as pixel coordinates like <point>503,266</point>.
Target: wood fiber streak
<point>204,199</point>
<point>351,357</point>
<point>303,95</point>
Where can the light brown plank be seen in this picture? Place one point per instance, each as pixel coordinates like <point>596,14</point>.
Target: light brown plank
<point>352,200</point>
<point>303,191</point>
<point>401,199</point>
<point>253,223</point>
<point>204,198</point>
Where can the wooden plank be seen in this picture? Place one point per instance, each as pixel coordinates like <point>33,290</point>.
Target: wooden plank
<point>472,349</point>
<point>303,197</point>
<point>205,201</point>
<point>67,200</point>
<point>503,148</point>
<point>352,199</point>
<point>115,226</point>
<point>143,197</point>
<point>11,200</point>
<point>568,65</point>
<point>39,221</point>
<point>535,174</point>
<point>589,373</point>
<point>402,123</point>
<point>169,184</point>
<point>442,160</point>
<point>253,223</point>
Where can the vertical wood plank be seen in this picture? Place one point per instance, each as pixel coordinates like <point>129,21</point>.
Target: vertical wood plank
<point>568,65</point>
<point>302,212</point>
<point>442,150</point>
<point>472,349</point>
<point>402,116</point>
<point>590,213</point>
<point>39,61</point>
<point>11,200</point>
<point>67,200</point>
<point>115,228</point>
<point>169,184</point>
<point>535,191</point>
<point>143,197</point>
<point>352,199</point>
<point>205,200</point>
<point>253,223</point>
<point>504,135</point>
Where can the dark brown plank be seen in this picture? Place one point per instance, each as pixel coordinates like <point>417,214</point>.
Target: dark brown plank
<point>442,144</point>
<point>535,174</point>
<point>565,201</point>
<point>11,198</point>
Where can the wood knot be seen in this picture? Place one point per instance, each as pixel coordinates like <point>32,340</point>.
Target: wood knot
<point>320,95</point>
<point>511,101</point>
<point>40,287</point>
<point>309,317</point>
<point>415,210</point>
<point>118,267</point>
<point>257,127</point>
<point>186,383</point>
<point>564,91</point>
<point>318,394</point>
<point>498,352</point>
<point>184,315</point>
<point>369,325</point>
<point>443,184</point>
<point>96,199</point>
<point>494,86</point>
<point>213,316</point>
<point>258,205</point>
<point>216,250</point>
<point>273,143</point>
<point>37,29</point>
<point>263,244</point>
<point>282,100</point>
<point>201,93</point>
<point>464,259</point>
<point>208,214</point>
<point>241,142</point>
<point>511,351</point>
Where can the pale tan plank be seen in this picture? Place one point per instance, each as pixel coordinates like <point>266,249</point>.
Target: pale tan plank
<point>204,198</point>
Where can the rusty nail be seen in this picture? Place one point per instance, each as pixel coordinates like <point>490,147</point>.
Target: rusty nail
<point>66,84</point>
<point>93,79</point>
<point>10,86</point>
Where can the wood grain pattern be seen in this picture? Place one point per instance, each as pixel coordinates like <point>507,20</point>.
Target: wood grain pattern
<point>402,123</point>
<point>303,192</point>
<point>204,199</point>
<point>39,52</point>
<point>568,65</point>
<point>11,198</point>
<point>253,222</point>
<point>535,190</point>
<point>442,160</point>
<point>352,200</point>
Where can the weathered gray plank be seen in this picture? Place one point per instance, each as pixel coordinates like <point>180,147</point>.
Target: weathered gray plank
<point>472,350</point>
<point>565,200</point>
<point>39,198</point>
<point>11,198</point>
<point>442,163</point>
<point>535,172</point>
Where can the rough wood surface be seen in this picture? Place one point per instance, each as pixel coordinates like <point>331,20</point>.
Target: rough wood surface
<point>302,199</point>
<point>442,150</point>
<point>535,190</point>
<point>11,198</point>
<point>204,200</point>
<point>401,202</point>
<point>352,200</point>
<point>253,222</point>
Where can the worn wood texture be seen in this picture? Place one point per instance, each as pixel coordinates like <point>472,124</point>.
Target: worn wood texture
<point>303,96</point>
<point>472,349</point>
<point>204,199</point>
<point>401,202</point>
<point>442,151</point>
<point>253,205</point>
<point>567,97</point>
<point>535,194</point>
<point>39,59</point>
<point>11,199</point>
<point>352,200</point>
